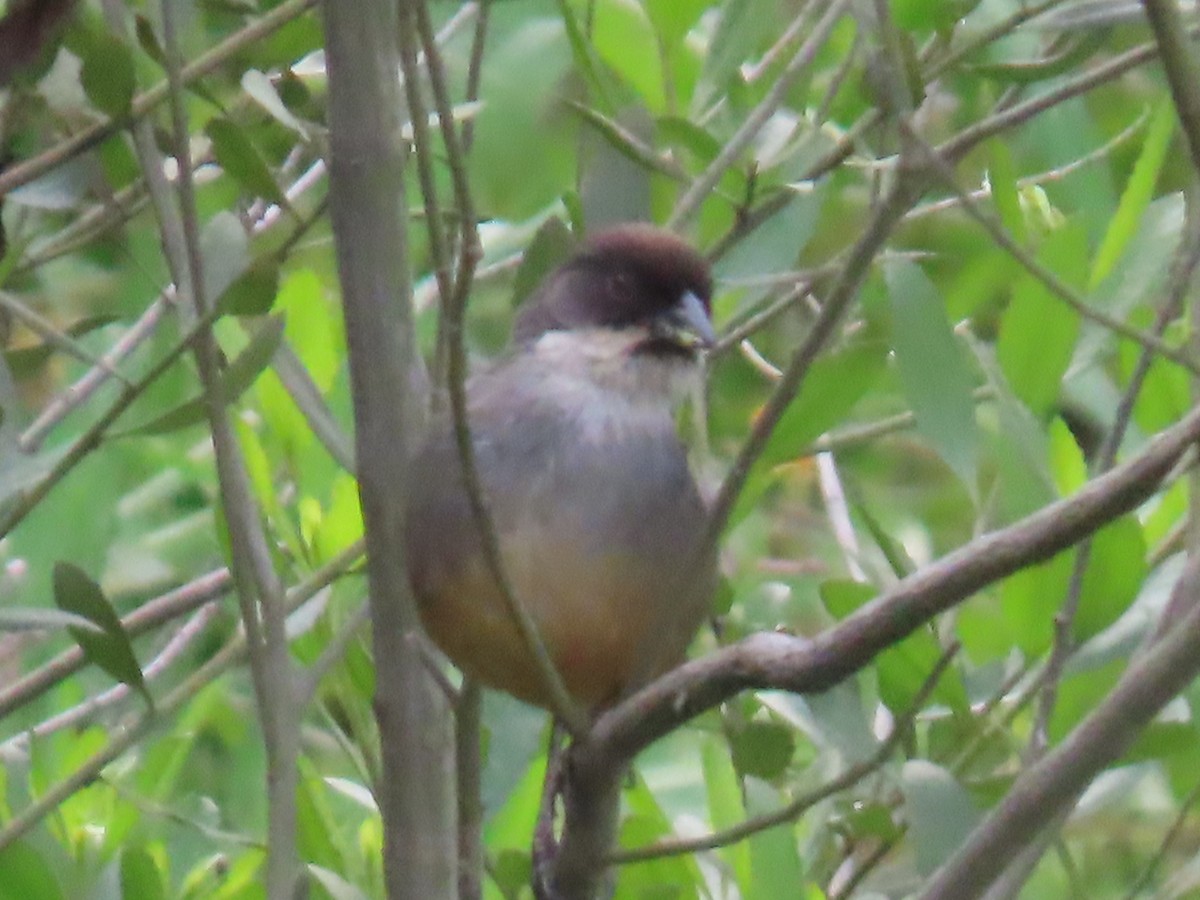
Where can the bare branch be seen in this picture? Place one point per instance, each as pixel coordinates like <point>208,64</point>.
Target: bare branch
<point>1044,790</point>
<point>366,203</point>
<point>788,663</point>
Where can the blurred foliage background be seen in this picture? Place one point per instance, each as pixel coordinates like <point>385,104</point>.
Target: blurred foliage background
<point>960,393</point>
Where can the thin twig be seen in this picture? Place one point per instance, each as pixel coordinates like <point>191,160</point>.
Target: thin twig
<point>958,146</point>
<point>1182,70</point>
<point>1042,791</point>
<point>841,293</point>
<point>171,605</point>
<point>751,72</point>
<point>689,204</point>
<point>562,703</point>
<point>1052,282</point>
<point>144,103</point>
<point>1182,273</point>
<point>873,859</point>
<point>902,727</point>
<point>127,734</point>
<point>27,500</point>
<point>87,710</point>
<point>788,663</point>
<point>475,73</point>
<point>854,435</point>
<point>331,654</point>
<point>45,329</point>
<point>1181,820</point>
<point>1050,175</point>
<point>258,588</point>
<point>82,389</point>
<point>468,764</point>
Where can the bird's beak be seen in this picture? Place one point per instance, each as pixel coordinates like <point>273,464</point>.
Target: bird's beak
<point>687,324</point>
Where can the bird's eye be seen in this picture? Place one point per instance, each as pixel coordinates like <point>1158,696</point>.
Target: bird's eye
<point>621,283</point>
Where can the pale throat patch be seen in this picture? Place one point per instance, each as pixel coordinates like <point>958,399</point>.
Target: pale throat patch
<point>605,358</point>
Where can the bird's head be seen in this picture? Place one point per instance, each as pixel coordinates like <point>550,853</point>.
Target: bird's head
<point>633,305</point>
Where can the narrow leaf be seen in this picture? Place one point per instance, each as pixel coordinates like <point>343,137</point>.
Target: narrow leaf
<point>107,75</point>
<point>110,648</point>
<point>253,292</point>
<point>241,160</point>
<point>933,372</point>
<point>551,245</point>
<point>1139,191</point>
<point>240,374</point>
<point>1039,332</point>
<point>940,812</point>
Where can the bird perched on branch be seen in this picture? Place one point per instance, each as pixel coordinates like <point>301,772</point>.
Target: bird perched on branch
<point>599,522</point>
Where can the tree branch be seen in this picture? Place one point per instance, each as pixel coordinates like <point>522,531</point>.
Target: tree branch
<point>415,792</point>
<point>1046,789</point>
<point>771,660</point>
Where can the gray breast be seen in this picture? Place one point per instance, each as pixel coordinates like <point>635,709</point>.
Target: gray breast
<point>545,464</point>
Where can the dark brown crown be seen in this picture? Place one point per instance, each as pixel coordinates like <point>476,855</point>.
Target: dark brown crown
<point>621,277</point>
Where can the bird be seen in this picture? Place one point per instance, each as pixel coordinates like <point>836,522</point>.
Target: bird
<point>599,522</point>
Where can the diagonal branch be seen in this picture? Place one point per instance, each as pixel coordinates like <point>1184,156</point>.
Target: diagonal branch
<point>772,660</point>
<point>1047,788</point>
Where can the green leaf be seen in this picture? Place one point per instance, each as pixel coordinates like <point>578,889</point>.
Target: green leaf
<point>1165,395</point>
<point>920,15</point>
<point>1115,572</point>
<point>725,808</point>
<point>508,827</point>
<point>1030,71</point>
<point>893,550</point>
<point>253,292</point>
<point>141,878</point>
<point>314,326</point>
<point>1138,193</point>
<point>674,18</point>
<point>551,245</point>
<point>1067,462</point>
<point>316,825</point>
<point>778,243</point>
<point>903,669</point>
<point>110,648</point>
<point>107,75</point>
<point>774,854</point>
<point>834,383</point>
<point>148,40</point>
<point>512,871</point>
<point>224,249</point>
<point>644,823</point>
<point>1025,597</point>
<point>241,160</point>
<point>334,884</point>
<point>625,40</point>
<point>1002,177</point>
<point>1039,331</point>
<point>259,87</point>
<point>738,36</point>
<point>842,596</point>
<point>699,142</point>
<point>256,356</point>
<point>1079,694</point>
<point>842,720</point>
<point>940,812</point>
<point>239,375</point>
<point>27,875</point>
<point>935,377</point>
<point>763,749</point>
